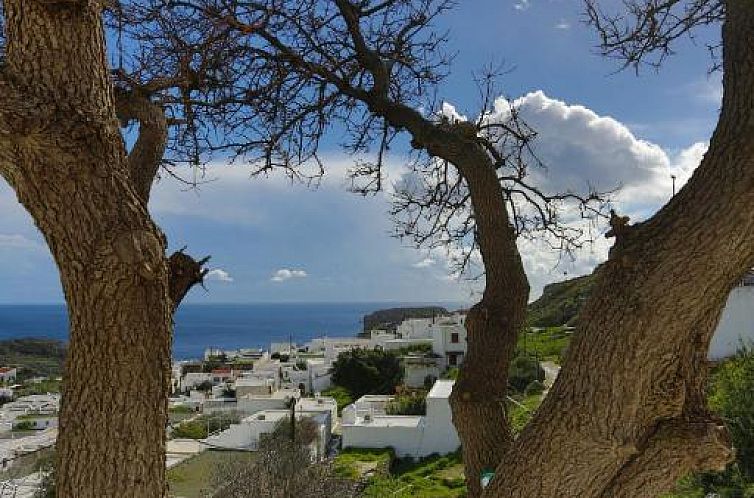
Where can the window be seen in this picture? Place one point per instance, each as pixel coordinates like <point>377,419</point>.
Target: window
<point>452,360</point>
<point>454,337</point>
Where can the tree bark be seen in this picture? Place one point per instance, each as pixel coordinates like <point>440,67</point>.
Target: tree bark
<point>493,324</point>
<point>626,416</point>
<point>66,160</point>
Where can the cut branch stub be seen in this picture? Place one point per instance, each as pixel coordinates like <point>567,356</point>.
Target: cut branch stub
<point>185,272</point>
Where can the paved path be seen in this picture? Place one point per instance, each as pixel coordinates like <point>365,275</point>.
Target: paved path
<point>551,372</point>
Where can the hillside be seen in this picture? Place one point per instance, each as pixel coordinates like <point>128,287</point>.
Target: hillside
<point>34,357</point>
<point>389,319</point>
<point>560,302</point>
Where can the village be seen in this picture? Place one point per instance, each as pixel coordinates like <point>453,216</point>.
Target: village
<point>261,388</point>
<point>226,403</point>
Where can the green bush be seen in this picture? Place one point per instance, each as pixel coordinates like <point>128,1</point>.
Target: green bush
<point>523,371</point>
<point>367,371</point>
<point>25,425</point>
<point>342,396</point>
<point>411,403</point>
<point>534,387</point>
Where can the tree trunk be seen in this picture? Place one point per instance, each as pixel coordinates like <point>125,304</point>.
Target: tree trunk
<point>493,325</point>
<point>61,150</point>
<point>627,415</point>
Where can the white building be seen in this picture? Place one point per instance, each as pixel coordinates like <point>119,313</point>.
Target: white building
<point>247,434</point>
<point>255,385</point>
<point>736,322</point>
<point>449,341</point>
<point>365,425</point>
<point>8,375</point>
<point>417,368</point>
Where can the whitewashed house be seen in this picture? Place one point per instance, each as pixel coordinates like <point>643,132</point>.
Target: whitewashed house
<point>248,433</point>
<point>449,341</point>
<point>366,425</point>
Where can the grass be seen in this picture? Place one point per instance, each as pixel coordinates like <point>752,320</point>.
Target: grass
<point>352,463</point>
<point>519,416</point>
<point>194,477</point>
<point>26,464</point>
<point>547,344</point>
<point>45,386</point>
<point>431,477</point>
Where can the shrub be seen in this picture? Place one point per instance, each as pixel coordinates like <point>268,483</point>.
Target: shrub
<point>412,403</point>
<point>365,371</point>
<point>26,425</point>
<point>341,395</point>
<point>534,387</point>
<point>523,371</point>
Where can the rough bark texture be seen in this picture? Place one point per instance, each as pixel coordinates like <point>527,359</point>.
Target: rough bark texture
<point>493,324</point>
<point>626,416</point>
<point>61,150</point>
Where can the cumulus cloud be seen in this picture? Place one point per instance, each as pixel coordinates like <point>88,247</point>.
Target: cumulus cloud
<point>424,263</point>
<point>522,4</point>
<point>219,275</point>
<point>582,150</point>
<point>285,274</point>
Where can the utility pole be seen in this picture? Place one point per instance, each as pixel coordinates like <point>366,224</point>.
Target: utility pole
<point>673,177</point>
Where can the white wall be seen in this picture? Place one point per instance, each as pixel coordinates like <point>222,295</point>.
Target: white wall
<point>406,441</point>
<point>736,323</point>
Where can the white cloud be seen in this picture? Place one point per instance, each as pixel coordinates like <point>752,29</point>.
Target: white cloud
<point>17,241</point>
<point>219,275</point>
<point>285,274</point>
<point>522,4</point>
<point>582,149</point>
<point>425,263</point>
<point>563,24</point>
<point>708,90</point>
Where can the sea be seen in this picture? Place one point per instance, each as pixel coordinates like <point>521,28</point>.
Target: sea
<point>224,326</point>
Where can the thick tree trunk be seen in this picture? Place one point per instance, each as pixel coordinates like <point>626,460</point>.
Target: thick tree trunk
<point>493,324</point>
<point>61,150</point>
<point>627,416</point>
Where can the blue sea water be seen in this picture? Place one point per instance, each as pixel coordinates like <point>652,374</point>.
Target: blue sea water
<point>227,326</point>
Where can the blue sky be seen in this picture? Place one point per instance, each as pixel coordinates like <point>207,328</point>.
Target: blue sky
<point>272,241</point>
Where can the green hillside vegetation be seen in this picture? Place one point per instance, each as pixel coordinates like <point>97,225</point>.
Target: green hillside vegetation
<point>560,302</point>
<point>33,357</point>
<point>547,344</point>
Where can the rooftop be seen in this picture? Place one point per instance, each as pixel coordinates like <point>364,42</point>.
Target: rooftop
<point>441,389</point>
<point>391,421</point>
